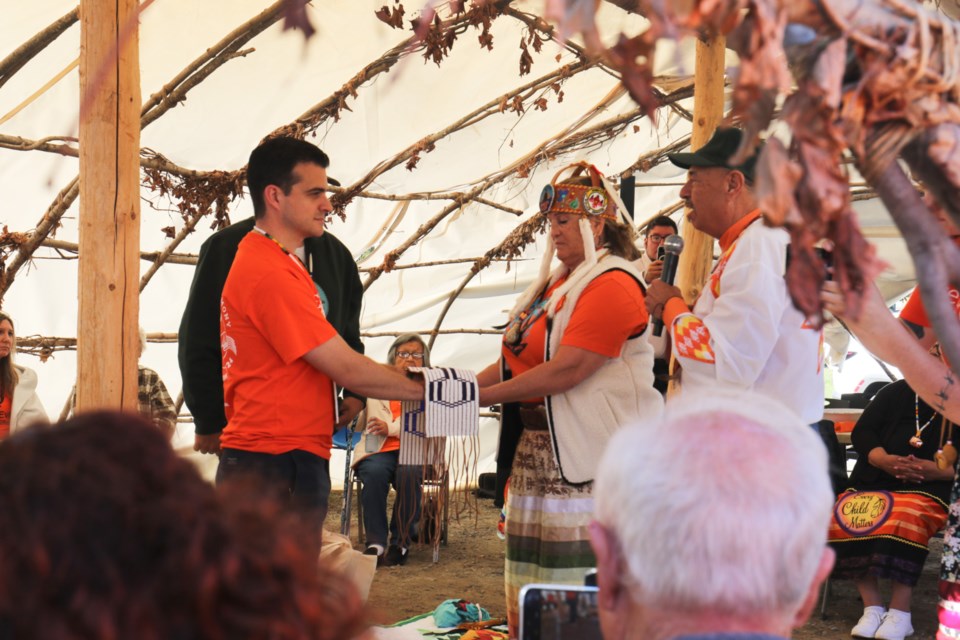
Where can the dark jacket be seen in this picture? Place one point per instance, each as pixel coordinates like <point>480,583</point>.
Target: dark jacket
<point>332,267</point>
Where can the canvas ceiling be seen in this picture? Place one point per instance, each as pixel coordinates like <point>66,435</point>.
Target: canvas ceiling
<point>284,76</point>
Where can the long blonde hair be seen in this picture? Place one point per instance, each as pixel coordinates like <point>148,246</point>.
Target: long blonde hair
<point>8,373</point>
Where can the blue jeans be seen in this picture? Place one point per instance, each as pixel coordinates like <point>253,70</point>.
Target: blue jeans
<point>377,472</point>
<point>298,480</point>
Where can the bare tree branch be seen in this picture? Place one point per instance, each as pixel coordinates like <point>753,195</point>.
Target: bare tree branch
<point>26,52</point>
<point>211,60</point>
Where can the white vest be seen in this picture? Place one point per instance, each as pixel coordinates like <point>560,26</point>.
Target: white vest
<point>26,407</point>
<point>620,392</point>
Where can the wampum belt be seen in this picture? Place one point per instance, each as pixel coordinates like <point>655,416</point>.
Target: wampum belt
<point>534,417</point>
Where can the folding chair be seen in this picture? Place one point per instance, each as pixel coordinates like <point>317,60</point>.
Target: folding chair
<point>346,439</point>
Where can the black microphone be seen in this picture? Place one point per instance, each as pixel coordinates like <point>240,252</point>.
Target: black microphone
<point>672,246</point>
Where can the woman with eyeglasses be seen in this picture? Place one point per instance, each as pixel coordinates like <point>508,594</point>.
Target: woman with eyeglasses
<point>377,463</point>
<point>574,367</point>
<point>19,403</point>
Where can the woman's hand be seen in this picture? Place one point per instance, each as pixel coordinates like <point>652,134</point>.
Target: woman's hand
<point>931,472</point>
<point>906,468</point>
<point>909,469</point>
<point>376,427</point>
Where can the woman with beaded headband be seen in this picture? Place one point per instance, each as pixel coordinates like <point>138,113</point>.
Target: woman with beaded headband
<point>573,368</point>
<point>19,404</point>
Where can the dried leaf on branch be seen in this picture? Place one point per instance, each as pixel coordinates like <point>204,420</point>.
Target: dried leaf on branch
<point>295,17</point>
<point>392,17</point>
<point>197,196</point>
<point>526,60</point>
<point>875,77</point>
<point>631,56</point>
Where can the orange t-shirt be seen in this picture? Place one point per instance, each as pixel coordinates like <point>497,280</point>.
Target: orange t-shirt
<point>392,443</point>
<point>270,317</point>
<point>609,311</point>
<point>914,311</point>
<point>6,406</point>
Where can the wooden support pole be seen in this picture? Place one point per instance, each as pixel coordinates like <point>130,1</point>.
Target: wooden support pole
<point>708,94</point>
<point>107,340</point>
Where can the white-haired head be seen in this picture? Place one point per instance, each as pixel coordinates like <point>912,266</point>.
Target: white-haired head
<point>720,507</point>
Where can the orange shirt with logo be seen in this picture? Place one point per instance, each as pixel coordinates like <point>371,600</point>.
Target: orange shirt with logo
<point>270,317</point>
<point>914,311</point>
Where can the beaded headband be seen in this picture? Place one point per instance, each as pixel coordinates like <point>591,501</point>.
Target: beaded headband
<point>578,199</point>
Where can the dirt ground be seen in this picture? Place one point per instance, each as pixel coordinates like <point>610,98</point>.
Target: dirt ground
<point>471,567</point>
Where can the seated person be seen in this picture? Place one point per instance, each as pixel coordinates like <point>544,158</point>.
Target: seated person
<point>19,403</point>
<point>884,535</point>
<point>377,463</point>
<point>153,401</point>
<point>107,533</point>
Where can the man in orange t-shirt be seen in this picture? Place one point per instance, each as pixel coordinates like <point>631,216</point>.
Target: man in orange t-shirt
<point>281,357</point>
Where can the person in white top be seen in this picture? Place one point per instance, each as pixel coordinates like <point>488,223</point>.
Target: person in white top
<point>19,403</point>
<point>743,331</point>
<point>377,463</point>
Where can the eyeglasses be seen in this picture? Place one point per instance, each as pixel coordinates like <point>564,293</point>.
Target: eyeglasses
<point>656,237</point>
<point>410,355</point>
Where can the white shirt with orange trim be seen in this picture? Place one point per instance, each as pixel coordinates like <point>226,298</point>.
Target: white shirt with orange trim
<point>744,331</point>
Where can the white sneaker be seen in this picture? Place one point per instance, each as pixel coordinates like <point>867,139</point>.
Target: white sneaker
<point>895,626</point>
<point>869,622</point>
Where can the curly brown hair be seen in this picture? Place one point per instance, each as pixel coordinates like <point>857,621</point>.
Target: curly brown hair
<point>107,534</point>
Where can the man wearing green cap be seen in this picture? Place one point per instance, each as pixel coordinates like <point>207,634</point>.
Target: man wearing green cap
<point>743,330</point>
